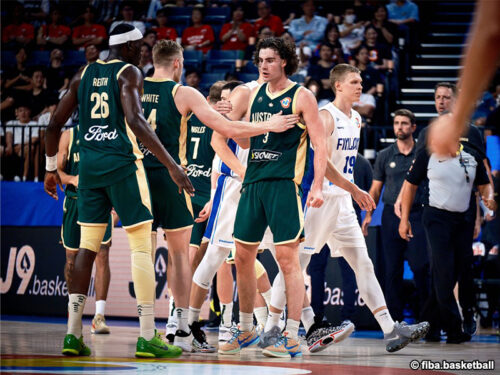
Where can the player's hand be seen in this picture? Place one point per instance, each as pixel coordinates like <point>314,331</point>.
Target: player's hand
<point>315,198</point>
<point>366,223</point>
<point>364,200</point>
<point>74,181</point>
<point>223,107</point>
<point>50,183</point>
<point>204,213</point>
<point>397,206</point>
<point>405,230</point>
<point>490,203</point>
<point>279,123</point>
<point>181,179</point>
<point>443,137</point>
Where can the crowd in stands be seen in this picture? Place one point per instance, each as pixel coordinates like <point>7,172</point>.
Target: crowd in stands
<point>44,43</point>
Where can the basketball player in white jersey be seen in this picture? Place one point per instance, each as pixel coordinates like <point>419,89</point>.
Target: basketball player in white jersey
<point>335,222</point>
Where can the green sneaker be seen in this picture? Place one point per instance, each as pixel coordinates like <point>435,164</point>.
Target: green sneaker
<point>74,346</point>
<point>156,348</point>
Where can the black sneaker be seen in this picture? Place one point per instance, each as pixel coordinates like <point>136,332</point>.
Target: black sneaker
<point>458,338</point>
<point>200,343</point>
<point>469,324</point>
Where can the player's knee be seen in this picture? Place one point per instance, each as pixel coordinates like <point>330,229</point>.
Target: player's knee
<point>70,258</point>
<point>201,276</point>
<point>139,238</point>
<point>91,237</point>
<point>103,256</point>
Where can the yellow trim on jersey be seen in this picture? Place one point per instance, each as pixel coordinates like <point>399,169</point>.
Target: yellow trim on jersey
<point>252,99</point>
<point>246,242</point>
<point>109,62</point>
<point>174,90</point>
<point>275,95</point>
<point>142,184</point>
<point>189,204</point>
<point>300,158</point>
<point>178,229</point>
<point>137,224</point>
<point>71,135</point>
<point>84,70</point>
<point>301,219</point>
<point>133,140</point>
<point>151,79</point>
<point>121,70</point>
<point>82,224</point>
<point>183,141</point>
<point>294,109</point>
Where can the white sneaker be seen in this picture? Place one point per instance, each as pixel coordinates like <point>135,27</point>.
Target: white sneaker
<point>17,179</point>
<point>170,330</point>
<point>225,333</point>
<point>184,341</point>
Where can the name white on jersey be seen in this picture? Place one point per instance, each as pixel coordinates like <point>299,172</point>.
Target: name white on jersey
<point>344,143</point>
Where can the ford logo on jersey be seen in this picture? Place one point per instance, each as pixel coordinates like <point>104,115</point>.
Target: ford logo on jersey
<point>96,133</point>
<point>264,155</point>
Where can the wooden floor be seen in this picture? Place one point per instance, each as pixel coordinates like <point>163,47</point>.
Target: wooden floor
<point>33,347</point>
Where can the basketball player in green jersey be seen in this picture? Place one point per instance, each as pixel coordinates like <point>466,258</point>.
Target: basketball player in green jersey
<point>112,175</point>
<point>167,105</point>
<point>68,161</point>
<point>270,194</point>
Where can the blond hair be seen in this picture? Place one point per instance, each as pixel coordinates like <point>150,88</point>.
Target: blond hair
<point>339,72</point>
<point>165,51</point>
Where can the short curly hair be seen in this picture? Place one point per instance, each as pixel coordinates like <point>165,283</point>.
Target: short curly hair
<point>286,50</point>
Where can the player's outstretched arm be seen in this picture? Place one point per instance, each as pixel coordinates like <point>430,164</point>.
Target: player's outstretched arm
<point>63,111</point>
<point>131,83</point>
<point>188,100</point>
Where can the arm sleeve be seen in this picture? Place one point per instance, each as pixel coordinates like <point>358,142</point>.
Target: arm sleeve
<point>418,170</point>
<point>481,174</point>
<point>379,167</point>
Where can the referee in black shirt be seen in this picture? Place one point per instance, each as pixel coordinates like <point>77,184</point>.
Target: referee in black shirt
<point>450,185</point>
<point>391,166</point>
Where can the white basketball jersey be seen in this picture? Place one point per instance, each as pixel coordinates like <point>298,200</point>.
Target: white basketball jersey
<point>344,142</point>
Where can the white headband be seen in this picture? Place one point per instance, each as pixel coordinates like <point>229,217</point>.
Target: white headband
<point>129,36</point>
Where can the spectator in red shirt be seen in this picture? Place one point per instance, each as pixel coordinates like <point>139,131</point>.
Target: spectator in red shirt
<point>18,33</point>
<point>53,35</point>
<point>198,36</point>
<point>236,34</point>
<point>89,32</point>
<point>162,30</point>
<point>268,19</point>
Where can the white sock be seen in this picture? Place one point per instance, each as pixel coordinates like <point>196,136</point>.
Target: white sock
<point>260,314</point>
<point>226,314</point>
<point>171,306</point>
<point>292,329</point>
<point>75,311</point>
<point>385,321</point>
<point>194,315</point>
<point>307,317</point>
<point>267,296</point>
<point>246,321</point>
<point>273,319</point>
<point>146,320</point>
<point>182,319</point>
<point>100,306</point>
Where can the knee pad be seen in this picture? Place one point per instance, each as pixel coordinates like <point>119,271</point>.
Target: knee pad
<point>139,238</point>
<point>304,260</point>
<point>259,269</point>
<point>211,262</point>
<point>91,237</point>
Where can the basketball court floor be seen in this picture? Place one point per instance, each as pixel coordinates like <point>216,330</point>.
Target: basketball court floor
<point>32,346</point>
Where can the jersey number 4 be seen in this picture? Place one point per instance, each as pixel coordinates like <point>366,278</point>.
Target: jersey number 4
<point>349,164</point>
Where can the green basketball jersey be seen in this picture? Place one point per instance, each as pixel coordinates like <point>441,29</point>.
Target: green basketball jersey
<point>276,155</point>
<point>169,125</point>
<point>200,155</point>
<point>73,160</point>
<point>108,147</point>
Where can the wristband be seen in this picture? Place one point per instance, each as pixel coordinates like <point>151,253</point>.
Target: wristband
<point>51,163</point>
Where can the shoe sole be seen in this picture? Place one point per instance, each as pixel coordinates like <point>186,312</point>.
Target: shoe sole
<point>100,331</point>
<point>333,338</point>
<point>186,347</point>
<point>71,352</point>
<point>270,353</point>
<point>151,355</point>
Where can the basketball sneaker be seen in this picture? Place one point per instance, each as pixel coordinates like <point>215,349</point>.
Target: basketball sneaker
<point>200,343</point>
<point>74,346</point>
<point>99,325</point>
<point>225,333</point>
<point>170,330</point>
<point>270,337</point>
<point>403,334</point>
<point>239,340</point>
<point>323,334</point>
<point>184,340</point>
<point>156,348</point>
<point>285,347</point>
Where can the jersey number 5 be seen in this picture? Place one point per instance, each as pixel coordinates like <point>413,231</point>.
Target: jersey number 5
<point>101,107</point>
<point>349,164</point>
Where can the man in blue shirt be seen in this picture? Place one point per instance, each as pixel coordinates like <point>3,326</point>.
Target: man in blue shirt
<point>402,12</point>
<point>308,28</point>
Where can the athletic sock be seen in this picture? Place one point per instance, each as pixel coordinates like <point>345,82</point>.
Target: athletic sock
<point>307,317</point>
<point>292,329</point>
<point>146,320</point>
<point>246,321</point>
<point>100,307</point>
<point>194,315</point>
<point>267,296</point>
<point>385,321</point>
<point>75,311</point>
<point>226,314</point>
<point>182,319</point>
<point>273,319</point>
<point>261,315</point>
